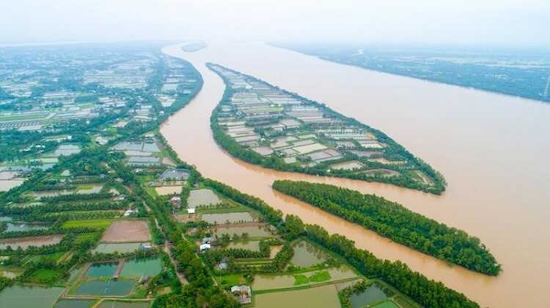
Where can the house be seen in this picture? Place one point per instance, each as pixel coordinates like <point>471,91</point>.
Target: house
<point>145,246</point>
<point>204,247</point>
<point>191,211</point>
<point>223,264</point>
<point>243,294</point>
<point>176,201</point>
<point>130,211</point>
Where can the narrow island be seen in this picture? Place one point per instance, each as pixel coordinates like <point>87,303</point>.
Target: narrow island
<point>265,125</point>
<point>392,220</point>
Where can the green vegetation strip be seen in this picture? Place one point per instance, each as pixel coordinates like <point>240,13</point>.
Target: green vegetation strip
<point>394,221</point>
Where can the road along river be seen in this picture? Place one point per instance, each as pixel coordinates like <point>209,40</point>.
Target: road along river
<point>492,149</point>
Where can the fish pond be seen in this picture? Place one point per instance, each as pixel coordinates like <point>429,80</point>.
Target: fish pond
<point>75,303</point>
<point>102,270</point>
<point>306,254</point>
<point>141,268</point>
<point>371,294</point>
<point>20,227</point>
<point>124,304</point>
<point>25,242</point>
<point>118,247</point>
<point>36,297</point>
<point>252,231</point>
<point>222,218</point>
<point>202,197</point>
<point>325,296</point>
<point>248,245</point>
<point>105,288</point>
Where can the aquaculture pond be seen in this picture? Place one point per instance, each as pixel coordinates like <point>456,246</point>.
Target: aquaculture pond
<point>119,247</point>
<point>202,197</point>
<point>248,245</point>
<point>269,282</point>
<point>20,227</point>
<point>371,294</point>
<point>25,242</point>
<point>223,218</point>
<point>35,297</point>
<point>325,296</point>
<point>252,231</point>
<point>123,304</point>
<point>75,303</point>
<point>102,269</point>
<point>306,254</point>
<point>106,288</point>
<point>141,268</point>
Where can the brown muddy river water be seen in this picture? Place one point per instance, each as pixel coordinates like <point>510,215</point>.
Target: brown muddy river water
<point>492,149</point>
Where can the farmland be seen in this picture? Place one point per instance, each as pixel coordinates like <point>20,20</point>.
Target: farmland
<point>71,146</point>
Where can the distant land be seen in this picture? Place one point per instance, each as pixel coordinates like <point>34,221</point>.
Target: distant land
<point>522,73</point>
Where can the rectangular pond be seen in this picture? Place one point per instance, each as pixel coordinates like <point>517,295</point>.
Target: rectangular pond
<point>249,245</point>
<point>202,197</point>
<point>36,297</point>
<point>20,227</point>
<point>75,303</point>
<point>306,254</point>
<point>223,218</point>
<point>118,247</point>
<point>371,294</point>
<point>252,231</point>
<point>102,269</point>
<point>106,288</point>
<point>25,242</point>
<point>141,268</point>
<point>124,304</point>
<point>325,296</point>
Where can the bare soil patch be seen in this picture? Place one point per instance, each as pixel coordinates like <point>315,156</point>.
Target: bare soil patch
<point>127,231</point>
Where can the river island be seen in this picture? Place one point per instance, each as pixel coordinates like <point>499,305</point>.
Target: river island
<point>268,126</point>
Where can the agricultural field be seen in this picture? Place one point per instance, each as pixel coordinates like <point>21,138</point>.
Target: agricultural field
<point>127,231</point>
<point>325,296</point>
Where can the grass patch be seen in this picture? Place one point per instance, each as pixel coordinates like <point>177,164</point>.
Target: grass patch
<point>86,237</point>
<point>46,276</point>
<point>320,276</point>
<point>85,186</point>
<point>315,278</point>
<point>88,223</point>
<point>232,279</point>
<point>222,210</point>
<point>300,279</point>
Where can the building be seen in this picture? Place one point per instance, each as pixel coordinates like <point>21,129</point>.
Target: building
<point>204,247</point>
<point>242,293</point>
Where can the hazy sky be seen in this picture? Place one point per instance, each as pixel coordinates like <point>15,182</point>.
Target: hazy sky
<point>510,22</point>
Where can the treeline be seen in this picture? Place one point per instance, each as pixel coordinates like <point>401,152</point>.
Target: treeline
<point>396,222</point>
<point>394,149</point>
<point>427,293</point>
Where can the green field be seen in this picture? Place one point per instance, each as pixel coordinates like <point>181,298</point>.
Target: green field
<point>85,237</point>
<point>46,276</point>
<point>88,223</point>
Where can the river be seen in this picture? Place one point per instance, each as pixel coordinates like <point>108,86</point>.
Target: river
<point>492,149</point>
